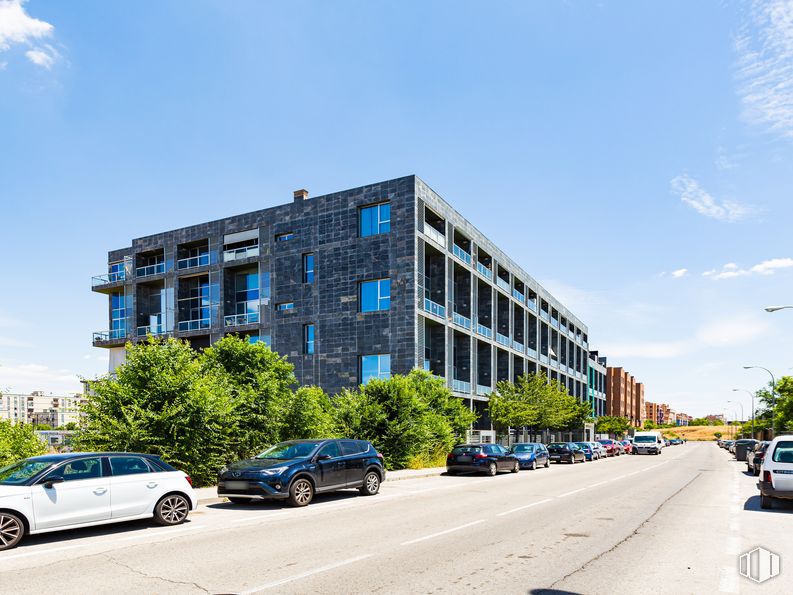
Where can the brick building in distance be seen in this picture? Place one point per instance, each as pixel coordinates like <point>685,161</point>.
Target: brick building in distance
<point>624,396</point>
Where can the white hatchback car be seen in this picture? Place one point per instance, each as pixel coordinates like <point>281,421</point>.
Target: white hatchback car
<point>68,491</point>
<point>776,472</point>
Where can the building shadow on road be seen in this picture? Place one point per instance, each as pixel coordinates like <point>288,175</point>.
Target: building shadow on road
<point>780,506</point>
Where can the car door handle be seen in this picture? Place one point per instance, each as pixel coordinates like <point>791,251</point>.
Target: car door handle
<point>100,491</point>
<point>151,484</point>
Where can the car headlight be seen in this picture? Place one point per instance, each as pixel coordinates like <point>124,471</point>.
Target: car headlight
<point>274,470</point>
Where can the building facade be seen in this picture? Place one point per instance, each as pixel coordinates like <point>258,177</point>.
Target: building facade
<point>624,396</point>
<point>348,286</point>
<point>597,383</point>
<point>39,408</point>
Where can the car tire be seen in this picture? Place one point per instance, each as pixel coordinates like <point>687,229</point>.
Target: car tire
<point>451,472</point>
<point>547,463</point>
<point>766,502</point>
<point>172,510</point>
<point>492,469</point>
<point>756,471</point>
<point>301,492</point>
<point>12,530</point>
<point>235,500</point>
<point>515,467</point>
<point>534,465</point>
<point>371,484</point>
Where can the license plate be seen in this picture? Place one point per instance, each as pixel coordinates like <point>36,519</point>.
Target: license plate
<point>464,459</point>
<point>555,456</point>
<point>236,485</point>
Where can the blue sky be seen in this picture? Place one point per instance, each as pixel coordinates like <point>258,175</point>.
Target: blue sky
<point>633,157</point>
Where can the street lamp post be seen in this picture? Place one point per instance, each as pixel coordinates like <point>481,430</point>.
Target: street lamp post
<point>773,388</point>
<point>752,395</point>
<point>777,308</point>
<point>742,416</point>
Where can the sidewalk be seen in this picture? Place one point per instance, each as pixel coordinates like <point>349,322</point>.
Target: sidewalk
<point>210,494</point>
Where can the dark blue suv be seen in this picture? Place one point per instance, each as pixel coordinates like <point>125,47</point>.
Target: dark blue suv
<point>484,458</point>
<point>297,469</point>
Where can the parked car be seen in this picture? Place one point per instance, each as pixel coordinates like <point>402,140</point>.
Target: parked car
<point>296,470</point>
<point>566,451</point>
<point>776,471</point>
<point>69,491</point>
<point>610,446</point>
<point>599,448</point>
<point>648,442</point>
<point>675,441</point>
<point>628,446</point>
<point>754,458</point>
<point>531,455</point>
<point>726,444</point>
<point>484,458</point>
<point>589,453</point>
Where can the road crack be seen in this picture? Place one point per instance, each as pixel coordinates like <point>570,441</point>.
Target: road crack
<point>628,537</point>
<point>153,576</point>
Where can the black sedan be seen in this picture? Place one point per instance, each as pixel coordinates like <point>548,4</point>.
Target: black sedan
<point>297,469</point>
<point>568,452</point>
<point>484,458</point>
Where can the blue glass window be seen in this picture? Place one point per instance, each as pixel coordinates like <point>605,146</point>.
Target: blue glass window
<point>246,293</point>
<point>308,339</point>
<point>116,272</point>
<point>375,366</point>
<point>308,268</point>
<point>284,237</point>
<point>375,295</point>
<point>374,220</point>
<point>118,316</point>
<point>285,306</point>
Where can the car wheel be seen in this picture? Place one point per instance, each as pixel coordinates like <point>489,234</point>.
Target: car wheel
<point>765,501</point>
<point>492,469</point>
<point>234,500</point>
<point>534,465</point>
<point>171,510</point>
<point>12,530</point>
<point>301,492</point>
<point>547,463</point>
<point>451,472</point>
<point>371,484</point>
<point>756,471</point>
<point>516,467</point>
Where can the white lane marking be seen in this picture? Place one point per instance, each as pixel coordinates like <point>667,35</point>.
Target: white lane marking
<point>440,533</point>
<point>166,532</point>
<point>306,574</point>
<point>600,483</point>
<point>571,493</point>
<point>525,506</point>
<point>39,552</point>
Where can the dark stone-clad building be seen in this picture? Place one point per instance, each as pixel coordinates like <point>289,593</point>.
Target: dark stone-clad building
<point>372,281</point>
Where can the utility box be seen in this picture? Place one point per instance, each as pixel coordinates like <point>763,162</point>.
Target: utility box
<point>741,451</point>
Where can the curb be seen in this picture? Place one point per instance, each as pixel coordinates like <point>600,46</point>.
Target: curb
<point>389,477</point>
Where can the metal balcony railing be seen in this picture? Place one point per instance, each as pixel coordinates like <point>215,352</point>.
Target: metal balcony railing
<point>461,254</point>
<point>461,320</point>
<point>483,270</point>
<point>461,386</point>
<point>152,329</point>
<point>434,235</point>
<point>434,308</point>
<point>484,331</point>
<point>108,278</point>
<point>503,340</point>
<point>152,269</point>
<point>192,262</point>
<point>503,284</point>
<point>241,319</point>
<point>113,335</point>
<point>240,253</point>
<point>194,325</point>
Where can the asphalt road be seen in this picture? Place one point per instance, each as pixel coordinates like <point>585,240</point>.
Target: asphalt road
<point>673,523</point>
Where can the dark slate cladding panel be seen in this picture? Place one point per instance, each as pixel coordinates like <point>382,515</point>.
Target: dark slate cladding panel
<point>328,227</point>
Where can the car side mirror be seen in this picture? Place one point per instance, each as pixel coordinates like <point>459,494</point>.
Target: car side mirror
<point>52,481</point>
<point>323,457</point>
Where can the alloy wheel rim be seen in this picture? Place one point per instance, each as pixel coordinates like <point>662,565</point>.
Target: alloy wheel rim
<point>174,509</point>
<point>372,482</point>
<point>9,529</point>
<point>533,465</point>
<point>302,492</point>
<point>492,469</point>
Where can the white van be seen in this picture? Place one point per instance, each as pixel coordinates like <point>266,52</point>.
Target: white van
<point>647,443</point>
<point>776,472</point>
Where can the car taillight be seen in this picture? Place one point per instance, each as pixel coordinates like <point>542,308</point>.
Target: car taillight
<point>449,456</point>
<point>190,481</point>
<point>480,455</point>
<point>767,476</point>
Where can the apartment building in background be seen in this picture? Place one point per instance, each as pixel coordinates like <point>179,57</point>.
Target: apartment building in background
<point>40,408</point>
<point>597,383</point>
<point>352,285</point>
<point>624,396</point>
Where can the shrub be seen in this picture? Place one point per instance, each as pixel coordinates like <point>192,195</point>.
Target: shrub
<point>18,441</point>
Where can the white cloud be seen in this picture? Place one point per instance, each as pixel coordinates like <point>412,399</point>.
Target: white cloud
<point>765,66</point>
<point>731,270</point>
<point>647,349</point>
<point>11,342</point>
<point>19,28</point>
<point>25,377</point>
<point>732,331</point>
<point>693,195</point>
<point>679,273</point>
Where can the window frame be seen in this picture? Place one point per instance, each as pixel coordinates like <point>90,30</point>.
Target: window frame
<point>284,306</point>
<point>381,375</point>
<point>379,298</point>
<point>309,345</point>
<point>377,223</point>
<point>309,274</point>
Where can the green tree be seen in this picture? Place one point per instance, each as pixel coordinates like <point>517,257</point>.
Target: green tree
<point>307,413</point>
<point>609,424</point>
<point>18,441</point>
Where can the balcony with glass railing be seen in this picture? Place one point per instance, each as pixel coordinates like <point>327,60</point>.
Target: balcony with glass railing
<point>532,304</point>
<point>434,235</point>
<point>434,308</point>
<point>111,335</point>
<point>503,284</point>
<point>192,262</point>
<point>531,352</point>
<point>152,269</point>
<point>503,340</point>
<point>240,253</point>
<point>543,359</point>
<point>484,271</point>
<point>516,345</point>
<point>241,319</point>
<point>108,278</point>
<point>461,320</point>
<point>481,329</point>
<point>461,254</point>
<point>194,325</point>
<point>554,323</point>
<point>152,329</point>
<point>483,390</point>
<point>461,386</point>
<point>544,315</point>
<point>518,295</point>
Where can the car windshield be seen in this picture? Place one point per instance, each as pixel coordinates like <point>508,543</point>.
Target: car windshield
<point>605,441</point>
<point>557,445</point>
<point>290,450</point>
<point>783,453</point>
<point>583,444</point>
<point>522,448</point>
<point>19,472</point>
<point>644,439</point>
